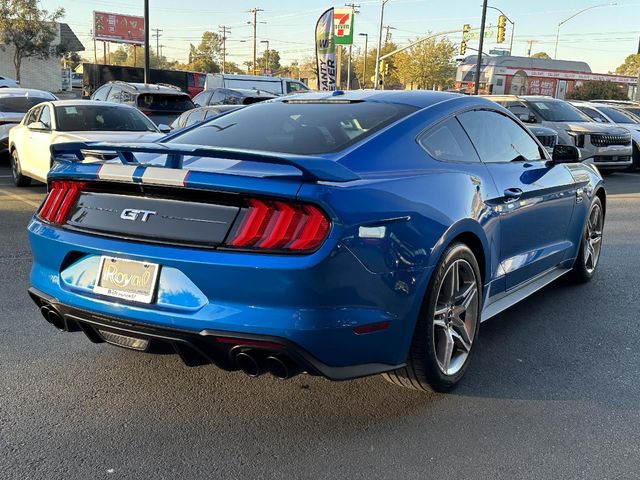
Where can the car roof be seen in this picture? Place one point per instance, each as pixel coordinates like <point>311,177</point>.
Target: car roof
<point>415,98</point>
<point>14,92</point>
<point>95,103</point>
<point>246,92</point>
<point>149,87</point>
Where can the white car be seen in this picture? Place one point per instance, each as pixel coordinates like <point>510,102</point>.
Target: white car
<point>606,113</point>
<point>14,103</point>
<point>6,82</point>
<point>71,121</point>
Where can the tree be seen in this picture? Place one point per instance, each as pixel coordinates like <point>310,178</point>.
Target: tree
<point>270,59</point>
<point>71,60</point>
<point>29,30</point>
<point>541,55</point>
<point>597,89</point>
<point>631,65</point>
<point>428,64</point>
<point>207,56</point>
<point>388,73</point>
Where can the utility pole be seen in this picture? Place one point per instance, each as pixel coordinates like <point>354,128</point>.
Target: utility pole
<point>157,35</point>
<point>354,10</point>
<point>224,30</point>
<point>476,85</point>
<point>530,42</point>
<point>387,37</point>
<point>364,67</point>
<point>266,56</point>
<point>377,75</point>
<point>146,42</point>
<point>255,11</point>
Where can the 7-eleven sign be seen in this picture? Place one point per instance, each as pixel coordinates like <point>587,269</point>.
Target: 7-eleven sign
<point>343,26</point>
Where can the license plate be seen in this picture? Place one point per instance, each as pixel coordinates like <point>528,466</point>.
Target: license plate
<point>127,279</point>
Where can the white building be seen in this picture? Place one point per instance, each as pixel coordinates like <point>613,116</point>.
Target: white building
<point>36,72</point>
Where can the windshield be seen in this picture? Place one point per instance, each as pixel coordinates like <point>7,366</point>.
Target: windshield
<point>618,116</point>
<point>558,111</point>
<point>165,103</point>
<point>101,118</point>
<point>292,127</point>
<point>20,104</point>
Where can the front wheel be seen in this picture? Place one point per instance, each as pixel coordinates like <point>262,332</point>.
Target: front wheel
<point>16,172</point>
<point>590,244</point>
<point>447,327</point>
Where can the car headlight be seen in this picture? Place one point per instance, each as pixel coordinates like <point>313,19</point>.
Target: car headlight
<point>578,138</point>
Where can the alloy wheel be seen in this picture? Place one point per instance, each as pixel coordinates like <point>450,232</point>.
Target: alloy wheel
<point>455,317</point>
<point>593,238</point>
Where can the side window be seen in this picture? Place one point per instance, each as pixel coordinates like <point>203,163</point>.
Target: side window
<point>498,138</point>
<point>201,79</point>
<point>216,99</point>
<point>448,142</point>
<point>115,95</point>
<point>202,99</point>
<point>232,100</point>
<point>594,114</point>
<point>212,113</point>
<point>101,93</point>
<point>195,117</point>
<point>45,116</point>
<point>293,87</point>
<point>126,97</point>
<point>190,80</point>
<point>32,116</point>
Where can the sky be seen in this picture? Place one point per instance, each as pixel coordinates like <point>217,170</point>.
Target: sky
<point>603,36</point>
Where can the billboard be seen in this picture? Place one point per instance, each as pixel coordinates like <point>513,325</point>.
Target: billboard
<point>113,27</point>
<point>343,25</point>
<point>326,52</point>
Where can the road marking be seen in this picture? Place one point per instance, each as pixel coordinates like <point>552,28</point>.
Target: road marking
<point>19,198</point>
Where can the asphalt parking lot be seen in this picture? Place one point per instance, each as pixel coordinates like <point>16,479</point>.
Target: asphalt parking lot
<point>553,392</point>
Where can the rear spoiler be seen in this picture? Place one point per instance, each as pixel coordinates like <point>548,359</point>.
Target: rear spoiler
<point>312,168</point>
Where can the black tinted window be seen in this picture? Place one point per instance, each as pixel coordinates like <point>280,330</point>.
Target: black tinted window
<point>449,142</point>
<point>75,118</point>
<point>618,116</point>
<point>301,128</point>
<point>165,102</point>
<point>19,104</point>
<point>498,138</point>
<point>593,113</point>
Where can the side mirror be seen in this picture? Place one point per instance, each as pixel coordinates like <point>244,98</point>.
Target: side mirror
<point>565,154</point>
<point>527,118</point>
<point>39,126</point>
<point>164,128</point>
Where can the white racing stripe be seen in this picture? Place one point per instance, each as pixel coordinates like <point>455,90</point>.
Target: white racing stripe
<point>164,176</point>
<point>121,173</point>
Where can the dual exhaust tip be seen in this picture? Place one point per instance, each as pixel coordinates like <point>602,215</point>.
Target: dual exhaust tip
<point>54,317</point>
<point>254,365</point>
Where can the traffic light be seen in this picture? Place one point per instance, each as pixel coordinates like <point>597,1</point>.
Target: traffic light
<point>465,36</point>
<point>463,47</point>
<point>502,27</point>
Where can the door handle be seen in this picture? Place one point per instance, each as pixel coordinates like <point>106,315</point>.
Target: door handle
<point>512,194</point>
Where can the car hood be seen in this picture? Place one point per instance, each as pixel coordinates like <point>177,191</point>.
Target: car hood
<point>133,137</point>
<point>586,127</point>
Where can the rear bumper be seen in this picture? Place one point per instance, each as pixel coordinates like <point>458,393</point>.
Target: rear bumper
<point>199,348</point>
<point>311,303</point>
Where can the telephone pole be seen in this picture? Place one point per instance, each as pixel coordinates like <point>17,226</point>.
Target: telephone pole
<point>157,35</point>
<point>387,37</point>
<point>146,41</point>
<point>255,11</point>
<point>354,10</point>
<point>224,30</point>
<point>476,85</point>
<point>377,74</point>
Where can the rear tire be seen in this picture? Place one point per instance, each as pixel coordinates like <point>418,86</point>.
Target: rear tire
<point>19,179</point>
<point>447,326</point>
<point>590,244</point>
<point>636,158</point>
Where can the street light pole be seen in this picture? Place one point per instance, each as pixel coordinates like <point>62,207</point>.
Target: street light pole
<point>364,67</point>
<point>266,55</point>
<point>377,75</point>
<point>513,27</point>
<point>476,85</point>
<point>147,77</point>
<point>555,53</point>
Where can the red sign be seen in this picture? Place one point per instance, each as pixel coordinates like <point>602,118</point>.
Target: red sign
<point>113,27</point>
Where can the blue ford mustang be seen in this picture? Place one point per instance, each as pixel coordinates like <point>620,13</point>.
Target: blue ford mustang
<point>338,234</point>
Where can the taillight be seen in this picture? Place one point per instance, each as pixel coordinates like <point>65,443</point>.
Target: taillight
<point>62,197</point>
<point>277,225</point>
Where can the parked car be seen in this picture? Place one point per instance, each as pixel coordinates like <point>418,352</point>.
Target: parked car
<point>14,103</point>
<point>231,96</point>
<point>606,146</point>
<point>76,80</point>
<point>342,235</point>
<point>548,137</point>
<point>6,82</point>
<point>62,121</point>
<point>614,114</point>
<point>199,114</point>
<point>161,103</point>
<point>628,105</point>
<point>275,85</point>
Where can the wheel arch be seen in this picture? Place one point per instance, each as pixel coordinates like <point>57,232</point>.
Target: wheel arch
<point>601,194</point>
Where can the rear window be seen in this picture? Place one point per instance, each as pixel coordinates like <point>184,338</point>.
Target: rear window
<point>298,128</point>
<point>20,104</point>
<point>95,118</point>
<point>164,102</point>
